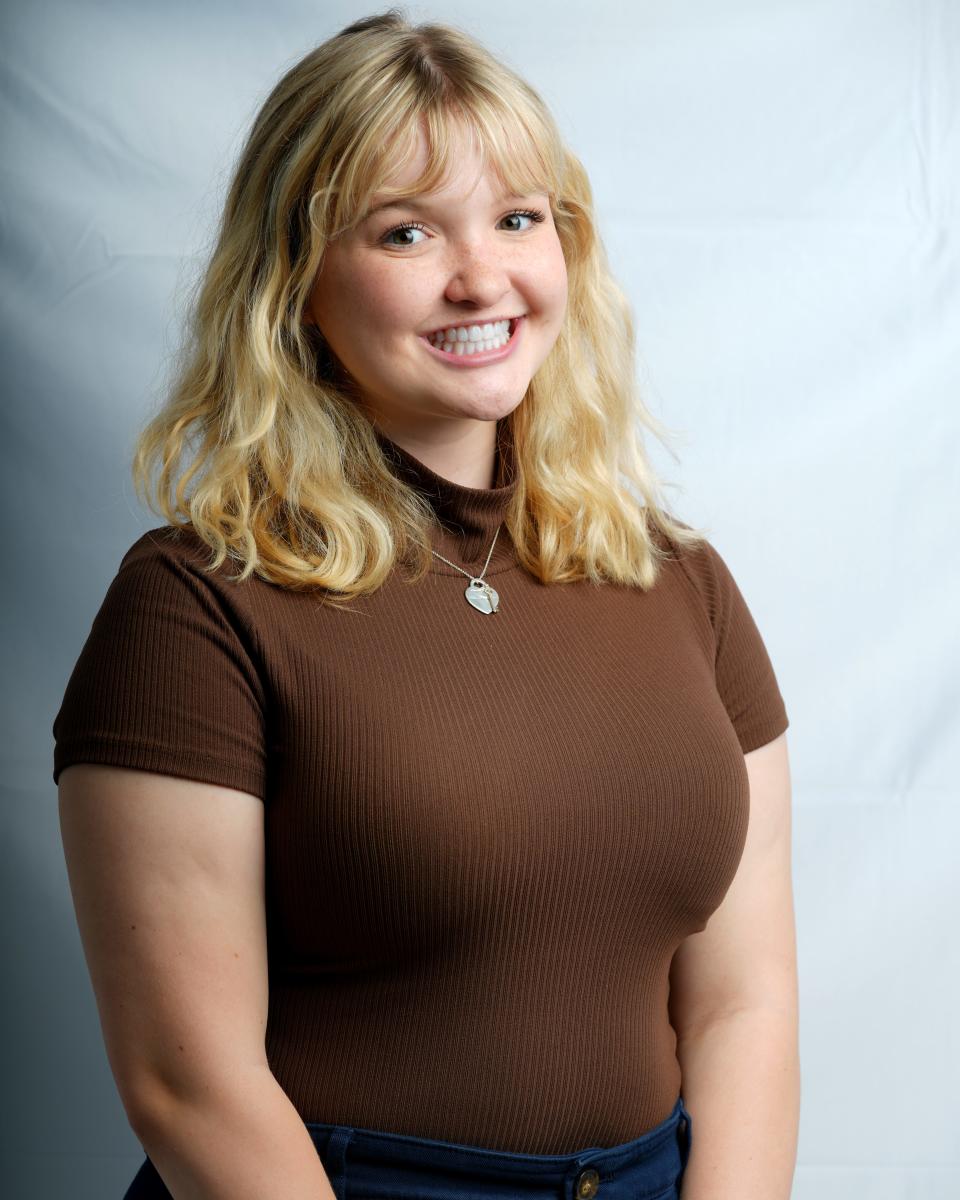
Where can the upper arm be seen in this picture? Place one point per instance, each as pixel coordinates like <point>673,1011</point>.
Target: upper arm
<point>746,955</point>
<point>166,875</point>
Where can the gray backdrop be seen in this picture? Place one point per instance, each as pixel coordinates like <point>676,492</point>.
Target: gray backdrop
<point>778,187</point>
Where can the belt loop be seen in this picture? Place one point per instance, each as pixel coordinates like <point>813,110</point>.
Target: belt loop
<point>336,1165</point>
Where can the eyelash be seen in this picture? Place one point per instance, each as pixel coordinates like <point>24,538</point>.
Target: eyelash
<point>533,213</point>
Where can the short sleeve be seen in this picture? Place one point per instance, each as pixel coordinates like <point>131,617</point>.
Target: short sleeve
<point>165,681</point>
<point>745,676</point>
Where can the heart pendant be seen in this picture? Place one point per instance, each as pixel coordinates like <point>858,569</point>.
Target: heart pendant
<point>482,596</point>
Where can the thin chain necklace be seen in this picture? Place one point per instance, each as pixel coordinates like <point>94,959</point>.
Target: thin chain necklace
<point>478,593</point>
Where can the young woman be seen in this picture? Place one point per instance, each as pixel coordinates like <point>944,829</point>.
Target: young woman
<point>412,856</point>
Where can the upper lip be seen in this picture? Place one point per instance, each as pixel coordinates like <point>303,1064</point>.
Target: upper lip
<point>466,324</point>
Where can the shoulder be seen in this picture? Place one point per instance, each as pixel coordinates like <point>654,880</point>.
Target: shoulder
<point>704,576</point>
<point>178,554</point>
<point>168,542</point>
<point>167,575</point>
<point>694,566</point>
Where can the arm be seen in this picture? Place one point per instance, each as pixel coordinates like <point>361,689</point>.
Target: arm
<point>167,882</point>
<point>734,1006</point>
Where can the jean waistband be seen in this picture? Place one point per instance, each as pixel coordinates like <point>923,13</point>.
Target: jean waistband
<point>640,1168</point>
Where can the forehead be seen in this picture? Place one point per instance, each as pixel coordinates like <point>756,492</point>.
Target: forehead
<point>457,162</point>
<point>413,152</point>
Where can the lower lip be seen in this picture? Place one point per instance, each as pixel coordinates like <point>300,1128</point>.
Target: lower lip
<point>482,358</point>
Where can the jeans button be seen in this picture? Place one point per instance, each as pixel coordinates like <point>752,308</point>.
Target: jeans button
<point>587,1184</point>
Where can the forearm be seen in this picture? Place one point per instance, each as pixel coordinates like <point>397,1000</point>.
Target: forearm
<point>244,1141</point>
<point>741,1084</point>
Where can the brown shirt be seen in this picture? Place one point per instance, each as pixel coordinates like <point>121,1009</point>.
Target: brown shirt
<point>486,835</point>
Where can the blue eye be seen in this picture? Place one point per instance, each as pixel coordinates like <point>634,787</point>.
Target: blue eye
<point>534,215</point>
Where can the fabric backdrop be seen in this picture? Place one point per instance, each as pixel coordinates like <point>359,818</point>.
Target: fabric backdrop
<point>778,186</point>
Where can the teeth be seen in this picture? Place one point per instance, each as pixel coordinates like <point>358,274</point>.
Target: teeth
<point>472,339</point>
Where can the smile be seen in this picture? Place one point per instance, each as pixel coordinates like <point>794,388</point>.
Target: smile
<point>474,345</point>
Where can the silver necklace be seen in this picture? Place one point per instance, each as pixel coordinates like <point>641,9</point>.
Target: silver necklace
<point>478,593</point>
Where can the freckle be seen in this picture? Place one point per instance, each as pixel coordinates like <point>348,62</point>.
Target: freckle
<point>180,1047</point>
<point>133,926</point>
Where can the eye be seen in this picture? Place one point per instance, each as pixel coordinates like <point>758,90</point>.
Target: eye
<point>532,214</point>
<point>401,229</point>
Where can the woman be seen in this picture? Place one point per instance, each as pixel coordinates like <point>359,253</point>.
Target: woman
<point>393,851</point>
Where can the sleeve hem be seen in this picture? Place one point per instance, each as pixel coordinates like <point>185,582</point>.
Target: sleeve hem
<point>162,760</point>
<point>755,736</point>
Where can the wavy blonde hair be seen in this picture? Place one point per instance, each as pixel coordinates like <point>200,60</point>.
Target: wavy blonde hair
<point>289,479</point>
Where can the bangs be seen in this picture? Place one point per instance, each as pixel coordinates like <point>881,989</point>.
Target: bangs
<point>505,142</point>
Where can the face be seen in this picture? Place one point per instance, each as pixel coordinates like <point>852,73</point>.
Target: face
<point>464,256</point>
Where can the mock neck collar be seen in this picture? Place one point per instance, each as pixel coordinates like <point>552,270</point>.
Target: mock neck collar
<point>469,517</point>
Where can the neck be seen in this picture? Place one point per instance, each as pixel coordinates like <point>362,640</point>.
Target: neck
<point>468,517</point>
<point>465,452</point>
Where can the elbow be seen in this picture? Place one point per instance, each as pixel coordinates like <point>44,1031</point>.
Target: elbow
<point>148,1104</point>
<point>778,1022</point>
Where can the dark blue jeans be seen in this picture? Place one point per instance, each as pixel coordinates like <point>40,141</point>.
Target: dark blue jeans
<point>368,1164</point>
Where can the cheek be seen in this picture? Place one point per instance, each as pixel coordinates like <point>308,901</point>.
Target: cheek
<point>376,290</point>
<point>558,283</point>
<point>355,296</point>
<point>553,268</point>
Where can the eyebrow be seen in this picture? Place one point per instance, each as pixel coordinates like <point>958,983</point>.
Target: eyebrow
<point>426,205</point>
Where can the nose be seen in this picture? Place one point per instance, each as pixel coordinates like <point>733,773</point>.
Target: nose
<point>478,275</point>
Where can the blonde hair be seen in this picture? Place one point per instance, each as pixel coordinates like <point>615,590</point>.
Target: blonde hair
<point>290,480</point>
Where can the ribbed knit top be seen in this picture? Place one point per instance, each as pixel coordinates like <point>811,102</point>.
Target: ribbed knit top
<point>486,834</point>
